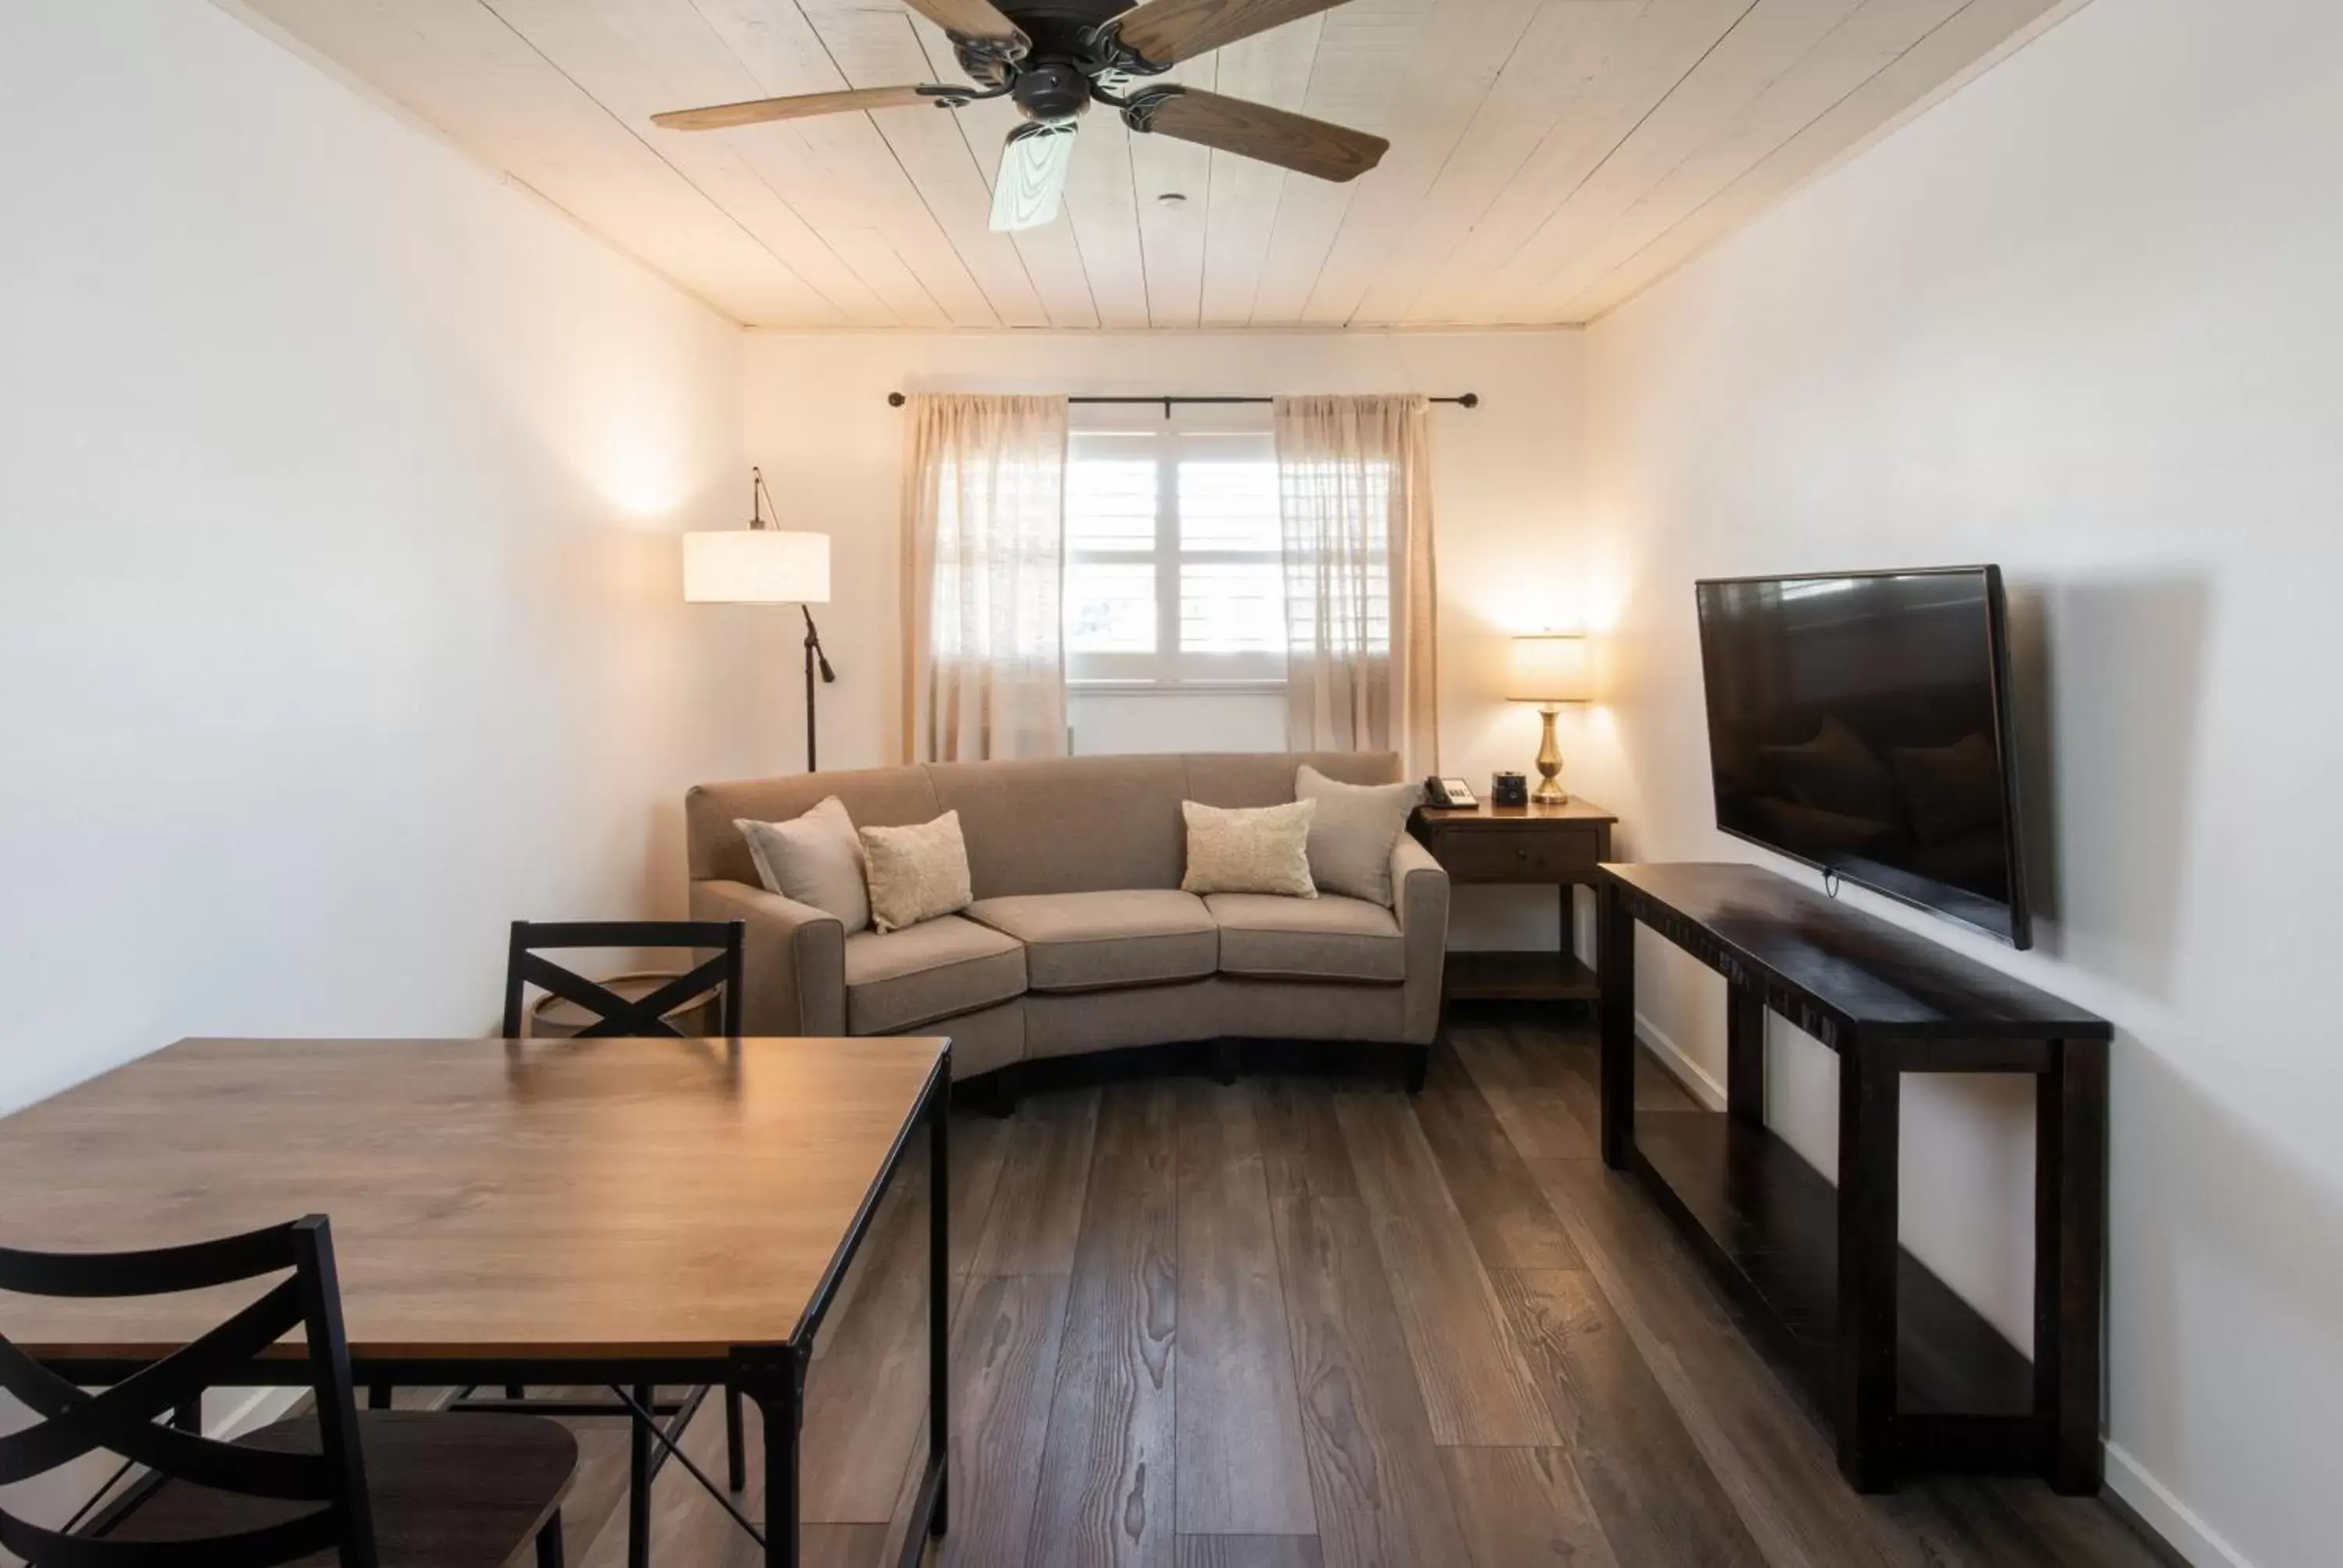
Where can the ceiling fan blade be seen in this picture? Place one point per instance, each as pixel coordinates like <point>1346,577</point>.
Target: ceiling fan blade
<point>1257,131</point>
<point>1032,185</point>
<point>1166,31</point>
<point>757,111</point>
<point>977,20</point>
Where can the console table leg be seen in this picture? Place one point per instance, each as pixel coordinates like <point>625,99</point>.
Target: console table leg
<point>2070,1216</point>
<point>1869,1103</point>
<point>1617,945</point>
<point>1745,1056</point>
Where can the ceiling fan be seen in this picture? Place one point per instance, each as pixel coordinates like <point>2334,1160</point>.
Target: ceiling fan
<point>1055,57</point>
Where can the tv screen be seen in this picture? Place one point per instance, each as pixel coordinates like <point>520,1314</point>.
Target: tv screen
<point>1860,723</point>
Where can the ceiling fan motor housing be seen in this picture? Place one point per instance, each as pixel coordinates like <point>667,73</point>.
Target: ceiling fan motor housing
<point>1063,32</point>
<point>1052,90</point>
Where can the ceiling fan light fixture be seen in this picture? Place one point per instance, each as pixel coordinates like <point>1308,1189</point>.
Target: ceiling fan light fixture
<point>1031,188</point>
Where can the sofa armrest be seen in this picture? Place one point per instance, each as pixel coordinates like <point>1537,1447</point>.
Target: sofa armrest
<point>795,960</point>
<point>1419,900</point>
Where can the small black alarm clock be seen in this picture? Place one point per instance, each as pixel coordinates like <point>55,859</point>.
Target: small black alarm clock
<point>1509,789</point>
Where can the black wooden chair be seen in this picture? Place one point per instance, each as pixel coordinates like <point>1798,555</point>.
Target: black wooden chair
<point>390,1490</point>
<point>616,1015</point>
<point>657,1425</point>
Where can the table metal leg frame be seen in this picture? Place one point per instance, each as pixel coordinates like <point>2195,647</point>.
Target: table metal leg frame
<point>773,1378</point>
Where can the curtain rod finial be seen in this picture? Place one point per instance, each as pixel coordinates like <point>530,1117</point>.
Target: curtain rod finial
<point>896,399</point>
<point>1470,400</point>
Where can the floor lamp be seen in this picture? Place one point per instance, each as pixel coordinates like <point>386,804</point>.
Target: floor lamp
<point>761,564</point>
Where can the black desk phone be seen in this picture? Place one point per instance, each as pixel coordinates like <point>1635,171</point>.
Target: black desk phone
<point>1448,792</point>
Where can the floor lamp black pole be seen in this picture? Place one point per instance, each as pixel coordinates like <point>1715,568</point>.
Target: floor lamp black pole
<point>814,659</point>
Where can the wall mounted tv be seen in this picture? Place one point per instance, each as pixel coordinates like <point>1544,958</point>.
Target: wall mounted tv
<point>1860,722</point>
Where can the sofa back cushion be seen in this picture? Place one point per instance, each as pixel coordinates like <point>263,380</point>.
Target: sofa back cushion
<point>1248,778</point>
<point>873,797</point>
<point>1066,825</point>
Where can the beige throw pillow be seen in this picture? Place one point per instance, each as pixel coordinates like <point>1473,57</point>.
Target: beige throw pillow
<point>916,874</point>
<point>1355,831</point>
<point>1265,850</point>
<point>814,859</point>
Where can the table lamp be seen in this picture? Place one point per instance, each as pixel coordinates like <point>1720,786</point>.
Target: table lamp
<point>761,564</point>
<point>1549,669</point>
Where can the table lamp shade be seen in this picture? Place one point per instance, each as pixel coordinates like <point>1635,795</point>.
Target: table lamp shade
<point>1549,668</point>
<point>755,566</point>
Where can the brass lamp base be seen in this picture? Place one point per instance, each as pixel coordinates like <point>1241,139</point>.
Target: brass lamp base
<point>1549,793</point>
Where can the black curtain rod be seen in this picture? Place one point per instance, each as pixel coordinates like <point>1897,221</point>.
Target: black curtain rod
<point>1469,400</point>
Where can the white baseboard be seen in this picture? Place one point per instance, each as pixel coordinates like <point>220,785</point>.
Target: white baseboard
<point>2166,1514</point>
<point>1688,1072</point>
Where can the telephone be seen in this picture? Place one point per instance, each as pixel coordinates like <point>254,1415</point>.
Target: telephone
<point>1448,792</point>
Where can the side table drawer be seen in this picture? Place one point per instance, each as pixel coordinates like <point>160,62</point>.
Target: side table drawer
<point>1540,854</point>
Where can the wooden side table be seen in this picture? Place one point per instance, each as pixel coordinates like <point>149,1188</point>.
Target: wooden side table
<point>1554,846</point>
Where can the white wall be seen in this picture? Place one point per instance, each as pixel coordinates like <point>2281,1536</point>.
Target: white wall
<point>1508,476</point>
<point>2081,319</point>
<point>339,609</point>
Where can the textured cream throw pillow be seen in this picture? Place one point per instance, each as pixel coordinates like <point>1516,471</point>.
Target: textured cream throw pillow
<point>1258,851</point>
<point>1354,832</point>
<point>814,859</point>
<point>916,874</point>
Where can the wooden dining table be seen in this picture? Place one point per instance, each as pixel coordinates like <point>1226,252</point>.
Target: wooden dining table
<point>550,1213</point>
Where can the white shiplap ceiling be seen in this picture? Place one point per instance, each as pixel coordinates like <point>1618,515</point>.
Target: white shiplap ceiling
<point>1549,158</point>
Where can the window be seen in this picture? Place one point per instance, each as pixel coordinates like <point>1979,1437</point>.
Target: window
<point>1174,568</point>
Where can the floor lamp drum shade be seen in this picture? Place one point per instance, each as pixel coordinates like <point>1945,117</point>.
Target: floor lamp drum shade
<point>755,566</point>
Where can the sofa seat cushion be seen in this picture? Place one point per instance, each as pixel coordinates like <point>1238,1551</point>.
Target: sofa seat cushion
<point>1328,938</point>
<point>1100,941</point>
<point>898,981</point>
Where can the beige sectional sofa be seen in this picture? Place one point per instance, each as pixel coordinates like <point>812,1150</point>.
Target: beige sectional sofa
<point>1079,940</point>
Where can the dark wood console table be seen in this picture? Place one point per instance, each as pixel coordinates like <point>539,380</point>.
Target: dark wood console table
<point>1912,1378</point>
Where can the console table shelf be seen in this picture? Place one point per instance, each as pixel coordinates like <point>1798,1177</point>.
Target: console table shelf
<point>1769,1223</point>
<point>1519,977</point>
<point>1911,1377</point>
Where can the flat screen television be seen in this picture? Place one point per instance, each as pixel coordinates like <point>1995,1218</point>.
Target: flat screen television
<point>1859,722</point>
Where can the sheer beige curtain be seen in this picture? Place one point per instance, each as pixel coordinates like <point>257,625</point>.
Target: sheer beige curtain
<point>1355,498</point>
<point>983,566</point>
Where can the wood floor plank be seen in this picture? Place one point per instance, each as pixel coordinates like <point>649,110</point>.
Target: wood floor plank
<point>1525,1094</point>
<point>1106,1476</point>
<point>866,1389</point>
<point>1646,1479</point>
<point>1301,1147</point>
<point>979,1146</point>
<point>1505,1212</point>
<point>1005,1350</point>
<point>1248,1551</point>
<point>1476,1388</point>
<point>1037,1204</point>
<point>1373,1469</point>
<point>1525,1508</point>
<point>1239,1467</point>
<point>836,1546</point>
<point>1766,1447</point>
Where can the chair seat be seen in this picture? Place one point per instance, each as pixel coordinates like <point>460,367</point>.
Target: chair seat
<point>1099,941</point>
<point>446,1491</point>
<point>1327,938</point>
<point>936,969</point>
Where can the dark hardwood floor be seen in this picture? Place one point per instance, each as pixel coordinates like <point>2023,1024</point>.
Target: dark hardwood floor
<point>1310,1323</point>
